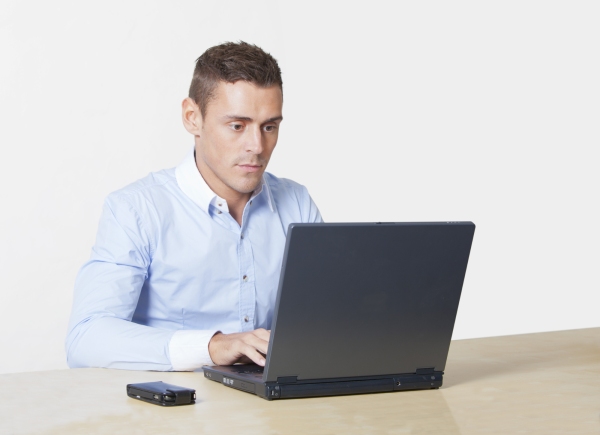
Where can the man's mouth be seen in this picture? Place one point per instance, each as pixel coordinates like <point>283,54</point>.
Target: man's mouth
<point>249,167</point>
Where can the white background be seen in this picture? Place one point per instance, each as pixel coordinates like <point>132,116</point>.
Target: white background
<point>394,111</point>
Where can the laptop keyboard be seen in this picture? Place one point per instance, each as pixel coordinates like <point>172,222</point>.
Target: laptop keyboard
<point>249,371</point>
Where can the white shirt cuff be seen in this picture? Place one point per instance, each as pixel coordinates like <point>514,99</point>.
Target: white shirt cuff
<point>188,349</point>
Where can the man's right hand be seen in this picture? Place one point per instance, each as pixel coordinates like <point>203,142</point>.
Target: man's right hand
<point>241,347</point>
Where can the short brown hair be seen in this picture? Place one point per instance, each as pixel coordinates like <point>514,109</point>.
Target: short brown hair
<point>230,62</point>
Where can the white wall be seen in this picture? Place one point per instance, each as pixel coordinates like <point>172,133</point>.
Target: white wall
<point>403,111</point>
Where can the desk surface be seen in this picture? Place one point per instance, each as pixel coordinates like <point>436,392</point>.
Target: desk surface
<point>535,383</point>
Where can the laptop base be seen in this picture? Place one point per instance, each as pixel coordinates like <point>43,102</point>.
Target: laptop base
<point>249,379</point>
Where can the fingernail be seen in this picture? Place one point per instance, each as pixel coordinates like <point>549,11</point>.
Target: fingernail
<point>262,362</point>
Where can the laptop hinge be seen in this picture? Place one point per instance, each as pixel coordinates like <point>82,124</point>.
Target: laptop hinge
<point>425,370</point>
<point>287,379</point>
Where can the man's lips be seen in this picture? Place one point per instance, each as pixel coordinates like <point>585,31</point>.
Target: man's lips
<point>249,167</point>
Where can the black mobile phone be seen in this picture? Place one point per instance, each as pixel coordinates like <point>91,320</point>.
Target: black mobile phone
<point>161,393</point>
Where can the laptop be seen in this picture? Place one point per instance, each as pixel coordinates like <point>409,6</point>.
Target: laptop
<point>360,308</point>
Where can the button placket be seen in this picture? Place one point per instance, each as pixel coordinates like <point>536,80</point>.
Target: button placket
<point>247,294</point>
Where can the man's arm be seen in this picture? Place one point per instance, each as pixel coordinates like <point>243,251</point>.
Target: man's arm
<point>107,290</point>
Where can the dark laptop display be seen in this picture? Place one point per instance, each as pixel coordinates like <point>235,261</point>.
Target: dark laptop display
<point>361,308</point>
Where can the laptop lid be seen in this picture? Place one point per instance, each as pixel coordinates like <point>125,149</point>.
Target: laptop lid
<point>367,299</point>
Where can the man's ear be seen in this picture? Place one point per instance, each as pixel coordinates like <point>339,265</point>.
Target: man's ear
<point>191,116</point>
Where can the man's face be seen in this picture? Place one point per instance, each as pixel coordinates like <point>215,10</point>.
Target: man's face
<point>237,136</point>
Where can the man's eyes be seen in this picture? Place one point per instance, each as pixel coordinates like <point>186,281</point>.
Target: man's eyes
<point>240,127</point>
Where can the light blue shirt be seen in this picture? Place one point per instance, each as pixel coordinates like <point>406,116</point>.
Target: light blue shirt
<point>171,266</point>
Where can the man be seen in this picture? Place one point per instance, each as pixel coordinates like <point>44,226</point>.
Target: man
<point>186,263</point>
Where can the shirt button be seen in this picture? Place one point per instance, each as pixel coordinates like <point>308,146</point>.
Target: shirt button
<point>242,235</point>
<point>250,202</point>
<point>245,278</point>
<point>219,205</point>
<point>246,319</point>
<point>219,212</point>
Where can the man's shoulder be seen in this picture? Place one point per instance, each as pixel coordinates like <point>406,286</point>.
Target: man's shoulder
<point>293,199</point>
<point>155,183</point>
<point>283,185</point>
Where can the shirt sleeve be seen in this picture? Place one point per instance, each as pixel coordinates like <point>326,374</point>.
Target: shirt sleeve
<point>107,289</point>
<point>188,349</point>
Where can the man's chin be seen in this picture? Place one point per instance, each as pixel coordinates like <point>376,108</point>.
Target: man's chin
<point>248,186</point>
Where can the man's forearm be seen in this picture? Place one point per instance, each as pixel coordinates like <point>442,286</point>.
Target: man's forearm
<point>116,343</point>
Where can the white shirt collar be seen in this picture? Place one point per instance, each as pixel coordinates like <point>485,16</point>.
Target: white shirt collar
<point>193,185</point>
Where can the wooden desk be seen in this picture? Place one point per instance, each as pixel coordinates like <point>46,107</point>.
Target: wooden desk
<point>547,383</point>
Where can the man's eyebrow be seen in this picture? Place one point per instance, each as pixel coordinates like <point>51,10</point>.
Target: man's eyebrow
<point>237,118</point>
<point>246,118</point>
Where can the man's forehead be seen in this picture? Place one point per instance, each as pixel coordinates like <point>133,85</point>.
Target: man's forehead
<point>246,100</point>
<point>247,90</point>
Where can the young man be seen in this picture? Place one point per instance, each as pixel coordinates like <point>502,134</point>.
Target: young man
<point>186,263</point>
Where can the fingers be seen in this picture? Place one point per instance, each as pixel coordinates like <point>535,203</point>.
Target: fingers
<point>254,355</point>
<point>256,346</point>
<point>262,334</point>
<point>245,360</point>
<point>259,340</point>
<point>228,349</point>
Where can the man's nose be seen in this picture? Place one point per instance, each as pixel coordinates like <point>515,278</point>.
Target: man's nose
<point>254,141</point>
